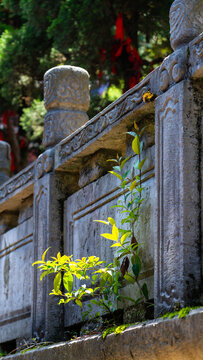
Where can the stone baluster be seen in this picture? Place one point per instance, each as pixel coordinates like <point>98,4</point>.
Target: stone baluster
<point>66,98</point>
<point>66,95</point>
<point>5,161</point>
<point>178,175</point>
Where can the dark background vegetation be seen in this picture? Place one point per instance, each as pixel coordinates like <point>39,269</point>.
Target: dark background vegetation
<point>117,42</point>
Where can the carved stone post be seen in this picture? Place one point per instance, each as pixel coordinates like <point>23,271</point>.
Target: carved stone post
<point>5,161</point>
<point>178,127</point>
<point>66,93</point>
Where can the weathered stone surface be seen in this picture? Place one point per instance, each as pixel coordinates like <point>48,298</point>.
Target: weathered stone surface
<point>96,166</point>
<point>180,339</point>
<point>82,235</point>
<point>177,244</point>
<point>16,189</point>
<point>186,21</point>
<point>16,255</point>
<point>8,220</point>
<point>66,96</point>
<point>196,57</point>
<point>26,210</point>
<point>46,314</point>
<point>5,161</point>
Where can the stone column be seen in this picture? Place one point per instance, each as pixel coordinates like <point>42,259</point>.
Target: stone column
<point>5,161</point>
<point>178,176</point>
<point>66,94</point>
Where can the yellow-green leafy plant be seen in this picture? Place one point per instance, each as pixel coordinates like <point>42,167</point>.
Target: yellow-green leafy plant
<point>100,282</point>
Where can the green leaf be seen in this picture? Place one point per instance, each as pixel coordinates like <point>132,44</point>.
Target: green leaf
<point>135,259</point>
<point>43,255</point>
<point>124,161</point>
<point>78,302</point>
<point>136,145</point>
<point>136,270</point>
<point>44,274</point>
<point>111,221</point>
<point>133,185</point>
<point>95,302</point>
<point>124,237</point>
<point>129,278</point>
<point>57,282</point>
<point>115,174</point>
<point>141,163</point>
<point>145,291</point>
<point>68,281</point>
<point>115,232</point>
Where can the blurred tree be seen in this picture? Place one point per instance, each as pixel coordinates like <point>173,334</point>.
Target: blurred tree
<point>118,42</point>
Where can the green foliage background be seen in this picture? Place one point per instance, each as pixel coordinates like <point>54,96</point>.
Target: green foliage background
<point>37,35</point>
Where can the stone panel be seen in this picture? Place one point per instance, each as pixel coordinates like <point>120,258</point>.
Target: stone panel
<point>177,245</point>
<point>16,254</point>
<point>82,235</point>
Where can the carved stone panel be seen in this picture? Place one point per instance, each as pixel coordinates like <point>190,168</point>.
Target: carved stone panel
<point>186,21</point>
<point>177,242</point>
<point>82,235</point>
<point>16,254</point>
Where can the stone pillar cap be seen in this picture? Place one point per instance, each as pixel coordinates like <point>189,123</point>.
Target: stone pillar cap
<point>186,21</point>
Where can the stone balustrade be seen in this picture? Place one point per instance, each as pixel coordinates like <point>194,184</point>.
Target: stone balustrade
<point>52,202</point>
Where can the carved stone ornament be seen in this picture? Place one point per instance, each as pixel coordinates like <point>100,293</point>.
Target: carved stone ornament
<point>5,161</point>
<point>66,97</point>
<point>186,21</point>
<point>44,163</point>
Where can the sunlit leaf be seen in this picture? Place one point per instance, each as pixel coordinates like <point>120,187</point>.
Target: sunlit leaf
<point>133,185</point>
<point>109,236</point>
<point>115,174</point>
<point>116,244</point>
<point>68,281</point>
<point>111,221</point>
<point>78,302</point>
<point>141,163</point>
<point>43,275</point>
<point>57,282</point>
<point>43,255</point>
<point>124,237</point>
<point>115,232</point>
<point>125,160</point>
<point>102,221</point>
<point>136,145</point>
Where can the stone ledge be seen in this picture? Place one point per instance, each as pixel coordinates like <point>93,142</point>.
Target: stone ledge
<point>170,339</point>
<point>17,188</point>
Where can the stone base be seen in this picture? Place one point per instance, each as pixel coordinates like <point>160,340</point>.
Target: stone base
<point>160,339</point>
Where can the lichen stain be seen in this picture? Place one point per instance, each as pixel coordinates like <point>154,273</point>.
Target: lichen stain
<point>6,275</point>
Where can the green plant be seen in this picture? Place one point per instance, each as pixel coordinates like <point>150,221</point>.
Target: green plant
<point>91,277</point>
<point>124,238</point>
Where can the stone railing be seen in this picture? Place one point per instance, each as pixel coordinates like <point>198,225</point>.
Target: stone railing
<point>53,201</point>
